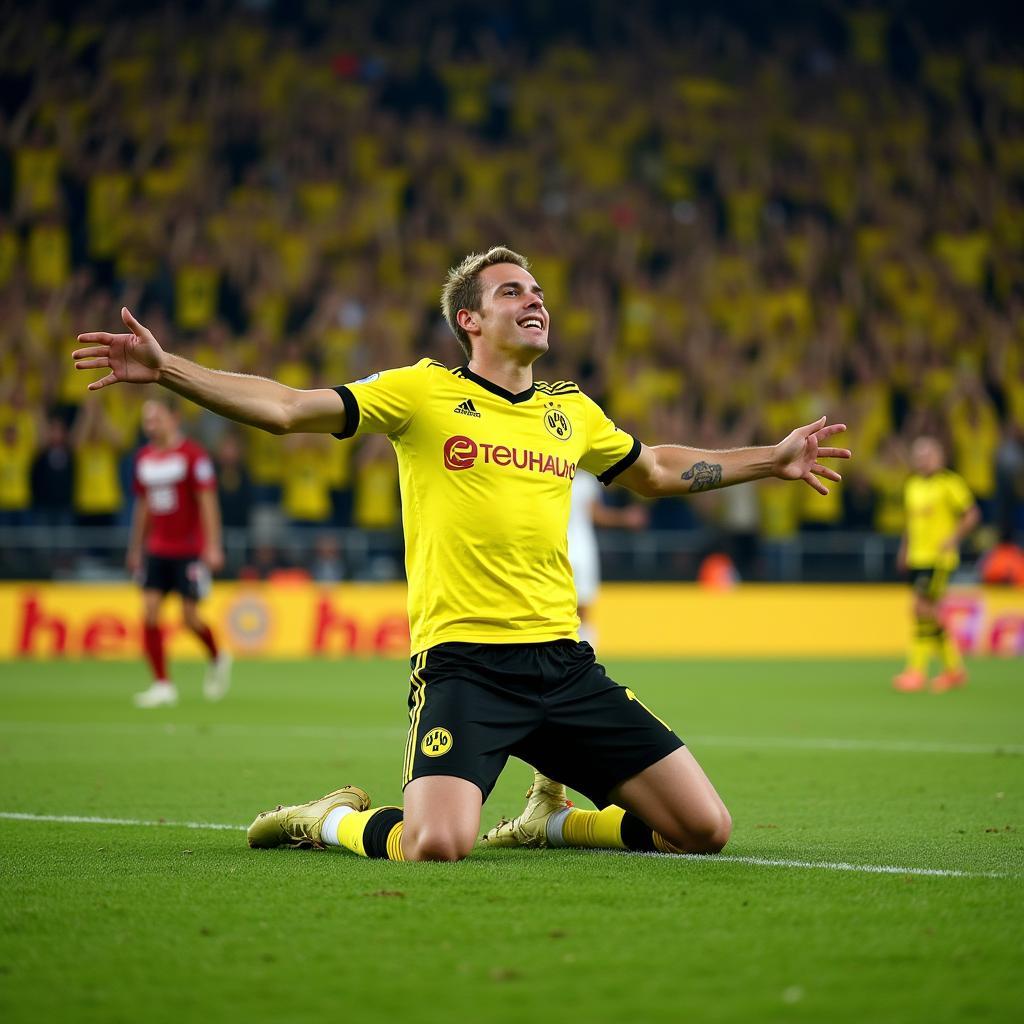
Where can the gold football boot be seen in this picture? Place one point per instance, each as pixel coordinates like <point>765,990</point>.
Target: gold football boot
<point>300,824</point>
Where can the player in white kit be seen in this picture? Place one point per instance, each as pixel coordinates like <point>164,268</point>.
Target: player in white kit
<point>586,512</point>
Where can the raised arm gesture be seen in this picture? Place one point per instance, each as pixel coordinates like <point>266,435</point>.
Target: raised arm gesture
<point>134,358</point>
<point>798,455</point>
<point>678,469</point>
<point>138,358</point>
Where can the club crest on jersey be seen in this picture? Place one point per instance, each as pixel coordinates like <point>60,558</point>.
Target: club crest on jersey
<point>437,742</point>
<point>556,422</point>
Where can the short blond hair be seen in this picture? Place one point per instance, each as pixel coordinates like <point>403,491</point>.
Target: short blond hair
<point>462,288</point>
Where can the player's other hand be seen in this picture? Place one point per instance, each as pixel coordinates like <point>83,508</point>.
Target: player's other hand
<point>133,562</point>
<point>134,358</point>
<point>213,559</point>
<point>797,456</point>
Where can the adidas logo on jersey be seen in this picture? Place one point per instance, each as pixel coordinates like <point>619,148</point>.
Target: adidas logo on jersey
<point>467,408</point>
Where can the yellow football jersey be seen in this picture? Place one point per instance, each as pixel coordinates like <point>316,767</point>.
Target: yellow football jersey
<point>934,505</point>
<point>486,479</point>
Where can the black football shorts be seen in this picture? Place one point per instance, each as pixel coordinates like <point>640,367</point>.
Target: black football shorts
<point>551,704</point>
<point>930,583</point>
<point>186,576</point>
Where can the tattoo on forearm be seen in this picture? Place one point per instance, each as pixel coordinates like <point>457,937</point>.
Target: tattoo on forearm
<point>705,476</point>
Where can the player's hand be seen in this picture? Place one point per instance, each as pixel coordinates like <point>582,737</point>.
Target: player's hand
<point>134,358</point>
<point>133,562</point>
<point>797,457</point>
<point>213,559</point>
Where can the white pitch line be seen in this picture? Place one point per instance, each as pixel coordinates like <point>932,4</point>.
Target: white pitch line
<point>870,869</point>
<point>79,819</point>
<point>871,746</point>
<point>202,729</point>
<point>334,732</point>
<point>718,858</point>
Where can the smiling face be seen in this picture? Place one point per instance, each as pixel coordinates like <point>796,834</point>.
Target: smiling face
<point>511,318</point>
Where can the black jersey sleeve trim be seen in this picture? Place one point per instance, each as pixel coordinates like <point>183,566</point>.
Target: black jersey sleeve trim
<point>627,460</point>
<point>351,412</point>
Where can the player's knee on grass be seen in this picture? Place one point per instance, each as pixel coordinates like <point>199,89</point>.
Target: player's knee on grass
<point>717,835</point>
<point>432,841</point>
<point>705,832</point>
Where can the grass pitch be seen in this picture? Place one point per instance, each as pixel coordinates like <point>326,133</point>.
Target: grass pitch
<point>845,796</point>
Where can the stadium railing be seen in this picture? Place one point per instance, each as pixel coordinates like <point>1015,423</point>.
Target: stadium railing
<point>97,553</point>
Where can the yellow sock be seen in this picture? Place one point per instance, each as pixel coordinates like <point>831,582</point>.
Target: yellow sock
<point>922,646</point>
<point>594,829</point>
<point>394,842</point>
<point>351,830</point>
<point>611,829</point>
<point>373,833</point>
<point>951,658</point>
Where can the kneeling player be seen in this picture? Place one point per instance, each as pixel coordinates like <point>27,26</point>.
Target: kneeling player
<point>176,521</point>
<point>487,456</point>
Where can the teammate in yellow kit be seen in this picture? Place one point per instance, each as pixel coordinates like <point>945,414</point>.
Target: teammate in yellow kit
<point>940,513</point>
<point>486,459</point>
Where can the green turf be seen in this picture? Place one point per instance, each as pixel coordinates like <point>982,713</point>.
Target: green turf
<point>817,761</point>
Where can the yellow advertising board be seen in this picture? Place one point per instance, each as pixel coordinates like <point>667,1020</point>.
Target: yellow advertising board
<point>299,620</point>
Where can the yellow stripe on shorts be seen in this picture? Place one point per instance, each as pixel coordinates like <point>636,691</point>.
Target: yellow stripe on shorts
<point>419,688</point>
<point>632,696</point>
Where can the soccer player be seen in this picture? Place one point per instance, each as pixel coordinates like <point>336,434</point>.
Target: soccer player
<point>176,522</point>
<point>487,456</point>
<point>940,513</point>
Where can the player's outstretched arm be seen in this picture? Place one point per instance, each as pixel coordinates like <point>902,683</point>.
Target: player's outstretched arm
<point>675,469</point>
<point>138,358</point>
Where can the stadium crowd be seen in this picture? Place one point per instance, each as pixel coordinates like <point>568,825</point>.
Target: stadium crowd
<point>733,234</point>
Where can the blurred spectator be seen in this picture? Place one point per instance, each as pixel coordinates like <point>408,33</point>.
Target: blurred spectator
<point>1009,470</point>
<point>306,497</point>
<point>328,565</point>
<point>53,476</point>
<point>736,224</point>
<point>96,443</point>
<point>19,435</point>
<point>975,430</point>
<point>16,448</point>
<point>779,526</point>
<point>888,475</point>
<point>234,490</point>
<point>376,504</point>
